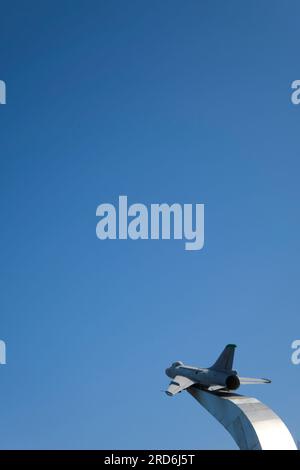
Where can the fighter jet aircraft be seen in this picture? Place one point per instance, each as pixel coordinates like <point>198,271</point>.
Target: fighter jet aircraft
<point>220,376</point>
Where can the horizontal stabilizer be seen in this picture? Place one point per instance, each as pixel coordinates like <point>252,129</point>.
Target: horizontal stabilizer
<point>253,381</point>
<point>216,388</point>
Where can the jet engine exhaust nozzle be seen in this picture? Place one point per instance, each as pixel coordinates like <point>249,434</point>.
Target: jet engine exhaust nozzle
<point>232,382</point>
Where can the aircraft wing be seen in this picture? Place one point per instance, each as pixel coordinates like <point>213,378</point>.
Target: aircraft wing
<point>253,381</point>
<point>178,384</point>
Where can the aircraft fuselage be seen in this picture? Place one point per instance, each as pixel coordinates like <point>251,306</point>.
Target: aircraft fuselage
<point>205,377</point>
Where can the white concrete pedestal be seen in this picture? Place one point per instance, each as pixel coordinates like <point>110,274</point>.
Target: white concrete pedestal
<point>252,424</point>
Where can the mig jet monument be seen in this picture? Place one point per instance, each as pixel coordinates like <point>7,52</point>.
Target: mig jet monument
<point>252,424</point>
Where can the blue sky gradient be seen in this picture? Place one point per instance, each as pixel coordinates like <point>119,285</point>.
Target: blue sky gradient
<point>163,101</point>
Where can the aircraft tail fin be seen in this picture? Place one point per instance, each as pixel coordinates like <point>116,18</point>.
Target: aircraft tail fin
<point>225,360</point>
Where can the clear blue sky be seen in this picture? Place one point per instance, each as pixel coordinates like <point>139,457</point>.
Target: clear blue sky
<point>164,101</point>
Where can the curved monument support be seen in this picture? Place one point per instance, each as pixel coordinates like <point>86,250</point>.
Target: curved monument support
<point>252,424</point>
